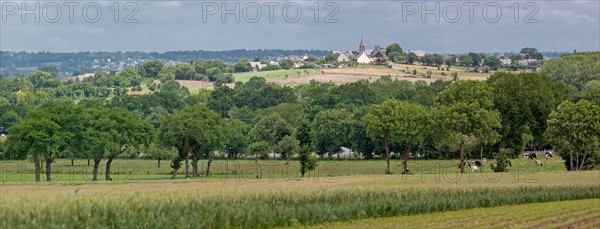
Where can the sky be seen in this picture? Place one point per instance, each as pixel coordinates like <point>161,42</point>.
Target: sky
<point>433,26</point>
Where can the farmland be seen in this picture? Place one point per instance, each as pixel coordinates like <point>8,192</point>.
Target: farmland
<point>338,194</point>
<point>275,202</point>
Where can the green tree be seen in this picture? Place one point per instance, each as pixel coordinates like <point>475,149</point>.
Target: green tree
<point>398,122</point>
<point>125,130</point>
<point>591,92</point>
<point>237,138</point>
<point>287,147</point>
<point>492,62</point>
<point>393,47</point>
<point>464,110</point>
<point>574,69</point>
<point>242,66</point>
<point>259,149</point>
<point>39,137</point>
<point>331,57</point>
<point>531,53</point>
<point>537,97</point>
<point>271,129</point>
<point>221,100</point>
<point>195,126</point>
<point>151,68</point>
<point>306,160</point>
<point>411,58</point>
<point>185,71</point>
<point>329,131</point>
<point>159,153</point>
<point>574,132</point>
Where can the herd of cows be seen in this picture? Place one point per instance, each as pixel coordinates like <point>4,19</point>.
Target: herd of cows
<point>476,165</point>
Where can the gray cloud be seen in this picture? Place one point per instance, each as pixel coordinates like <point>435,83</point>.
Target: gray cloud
<point>178,25</point>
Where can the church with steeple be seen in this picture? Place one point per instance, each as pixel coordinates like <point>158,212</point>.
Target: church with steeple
<point>366,57</point>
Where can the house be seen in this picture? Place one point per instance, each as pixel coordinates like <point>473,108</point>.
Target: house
<point>305,57</point>
<point>343,57</point>
<point>257,66</point>
<point>295,58</point>
<point>363,58</point>
<point>419,53</point>
<point>527,61</point>
<point>377,53</point>
<point>505,61</point>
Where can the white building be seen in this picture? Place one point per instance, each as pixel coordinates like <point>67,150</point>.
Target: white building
<point>363,59</point>
<point>419,53</point>
<point>257,66</point>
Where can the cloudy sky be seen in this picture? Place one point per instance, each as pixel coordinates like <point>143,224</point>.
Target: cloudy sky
<point>461,26</point>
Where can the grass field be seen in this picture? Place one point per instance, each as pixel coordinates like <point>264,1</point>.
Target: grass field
<point>275,74</point>
<point>560,214</point>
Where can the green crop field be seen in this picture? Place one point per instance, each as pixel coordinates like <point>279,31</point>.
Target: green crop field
<point>339,194</point>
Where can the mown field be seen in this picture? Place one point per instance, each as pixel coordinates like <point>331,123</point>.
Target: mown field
<point>559,214</point>
<point>275,74</point>
<point>127,170</point>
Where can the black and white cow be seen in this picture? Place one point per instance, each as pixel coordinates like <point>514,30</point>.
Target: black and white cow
<point>538,163</point>
<point>548,154</point>
<point>529,156</point>
<point>466,164</point>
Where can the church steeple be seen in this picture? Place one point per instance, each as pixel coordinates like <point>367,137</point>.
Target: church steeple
<point>361,47</point>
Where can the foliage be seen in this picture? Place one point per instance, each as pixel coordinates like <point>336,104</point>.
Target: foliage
<point>307,161</point>
<point>574,69</point>
<point>574,132</point>
<point>463,110</point>
<point>329,131</point>
<point>502,162</point>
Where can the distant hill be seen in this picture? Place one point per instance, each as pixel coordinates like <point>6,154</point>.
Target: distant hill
<point>21,63</point>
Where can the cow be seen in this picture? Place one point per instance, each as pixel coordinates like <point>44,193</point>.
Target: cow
<point>477,163</point>
<point>538,163</point>
<point>548,154</point>
<point>529,156</point>
<point>466,164</point>
<point>508,162</point>
<point>484,160</point>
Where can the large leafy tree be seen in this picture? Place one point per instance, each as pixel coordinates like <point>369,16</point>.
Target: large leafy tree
<point>271,129</point>
<point>330,130</point>
<point>121,130</point>
<point>398,122</point>
<point>591,92</point>
<point>525,101</point>
<point>195,129</point>
<point>574,131</point>
<point>151,68</point>
<point>40,137</point>
<point>464,110</point>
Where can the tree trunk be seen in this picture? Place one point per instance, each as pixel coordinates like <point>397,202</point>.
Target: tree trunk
<point>158,163</point>
<point>174,174</point>
<point>88,162</point>
<point>96,166</point>
<point>387,155</point>
<point>108,163</point>
<point>577,161</point>
<point>187,167</point>
<point>405,162</point>
<point>72,162</point>
<point>48,169</point>
<point>38,168</point>
<point>582,161</point>
<point>571,160</point>
<point>462,156</point>
<point>208,165</point>
<point>195,166</point>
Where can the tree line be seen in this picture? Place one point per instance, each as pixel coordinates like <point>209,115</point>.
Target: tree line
<point>387,118</point>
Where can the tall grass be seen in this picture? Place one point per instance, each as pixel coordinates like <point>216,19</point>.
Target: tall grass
<point>264,208</point>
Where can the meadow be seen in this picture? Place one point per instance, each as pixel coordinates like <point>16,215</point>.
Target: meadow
<point>275,74</point>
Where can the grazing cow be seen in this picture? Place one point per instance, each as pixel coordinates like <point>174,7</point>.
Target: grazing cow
<point>548,154</point>
<point>474,168</point>
<point>407,171</point>
<point>538,163</point>
<point>529,156</point>
<point>484,160</point>
<point>466,164</point>
<point>477,163</point>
